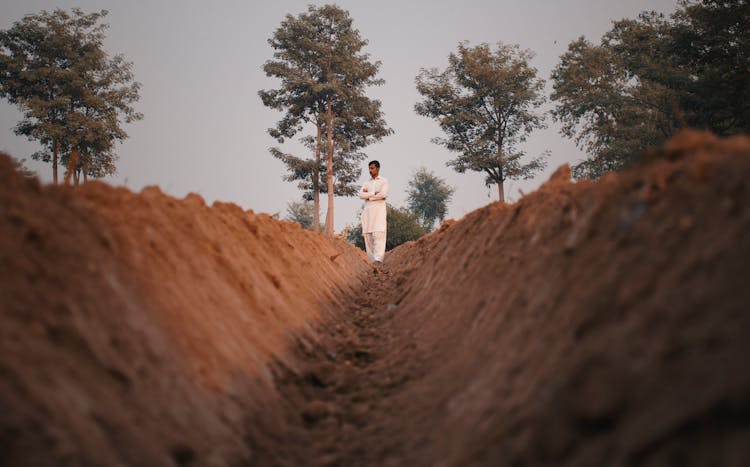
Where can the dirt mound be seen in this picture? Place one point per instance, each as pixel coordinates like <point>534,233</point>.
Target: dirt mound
<point>135,328</point>
<point>588,324</point>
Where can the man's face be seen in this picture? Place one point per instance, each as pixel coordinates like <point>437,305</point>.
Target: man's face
<point>374,170</point>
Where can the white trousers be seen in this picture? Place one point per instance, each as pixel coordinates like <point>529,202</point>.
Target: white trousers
<point>375,245</point>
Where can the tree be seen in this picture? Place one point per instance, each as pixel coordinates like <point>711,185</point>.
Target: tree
<point>484,101</point>
<point>711,40</point>
<point>402,226</point>
<point>73,96</point>
<point>305,171</point>
<point>651,76</point>
<point>324,75</point>
<point>301,212</point>
<point>428,197</point>
<point>611,110</point>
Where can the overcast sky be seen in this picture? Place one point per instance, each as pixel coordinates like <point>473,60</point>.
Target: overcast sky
<point>200,63</point>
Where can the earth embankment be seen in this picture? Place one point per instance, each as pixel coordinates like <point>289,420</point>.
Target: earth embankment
<point>590,323</point>
<point>601,323</point>
<point>132,323</point>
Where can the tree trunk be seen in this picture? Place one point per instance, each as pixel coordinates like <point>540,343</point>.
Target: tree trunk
<point>55,150</point>
<point>86,169</point>
<point>501,172</point>
<point>72,170</point>
<point>316,181</point>
<point>329,168</point>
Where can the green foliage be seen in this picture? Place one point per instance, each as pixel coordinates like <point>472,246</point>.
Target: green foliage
<point>73,96</point>
<point>318,58</point>
<point>346,168</point>
<point>428,197</point>
<point>324,74</point>
<point>354,236</point>
<point>402,226</point>
<point>711,40</point>
<point>301,212</point>
<point>485,102</point>
<point>651,76</point>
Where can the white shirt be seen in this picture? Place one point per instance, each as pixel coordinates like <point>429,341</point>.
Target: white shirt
<point>373,215</point>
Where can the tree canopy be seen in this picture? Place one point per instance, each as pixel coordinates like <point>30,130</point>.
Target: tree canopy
<point>651,76</point>
<point>428,196</point>
<point>485,102</point>
<point>304,170</point>
<point>74,97</point>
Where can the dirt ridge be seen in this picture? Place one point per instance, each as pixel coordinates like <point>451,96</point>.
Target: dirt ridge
<point>137,328</point>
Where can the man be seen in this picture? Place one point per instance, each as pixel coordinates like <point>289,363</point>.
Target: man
<point>374,192</point>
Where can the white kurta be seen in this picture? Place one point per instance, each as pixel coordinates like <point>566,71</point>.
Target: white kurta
<point>373,215</point>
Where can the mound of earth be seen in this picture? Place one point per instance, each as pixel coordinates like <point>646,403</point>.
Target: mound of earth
<point>136,328</point>
<point>590,323</point>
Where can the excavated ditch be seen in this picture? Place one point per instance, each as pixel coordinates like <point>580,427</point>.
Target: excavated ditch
<point>590,323</point>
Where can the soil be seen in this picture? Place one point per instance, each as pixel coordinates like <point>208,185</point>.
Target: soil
<point>590,323</point>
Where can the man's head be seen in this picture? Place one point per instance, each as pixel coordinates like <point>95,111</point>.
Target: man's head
<point>374,167</point>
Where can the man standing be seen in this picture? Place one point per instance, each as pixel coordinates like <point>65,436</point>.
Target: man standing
<point>374,192</point>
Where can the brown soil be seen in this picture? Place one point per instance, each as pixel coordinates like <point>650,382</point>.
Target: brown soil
<point>590,323</point>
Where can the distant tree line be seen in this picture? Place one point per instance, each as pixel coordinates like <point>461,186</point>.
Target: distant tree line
<point>74,97</point>
<point>648,78</point>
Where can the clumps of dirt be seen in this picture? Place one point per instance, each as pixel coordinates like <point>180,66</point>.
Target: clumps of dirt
<point>135,329</point>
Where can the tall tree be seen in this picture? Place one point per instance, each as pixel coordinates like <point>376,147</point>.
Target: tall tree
<point>318,57</point>
<point>299,95</point>
<point>485,102</point>
<point>428,196</point>
<point>73,96</point>
<point>651,76</point>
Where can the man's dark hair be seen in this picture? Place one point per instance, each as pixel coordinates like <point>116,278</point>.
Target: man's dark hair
<point>375,163</point>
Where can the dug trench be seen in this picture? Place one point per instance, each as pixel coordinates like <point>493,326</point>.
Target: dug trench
<point>590,323</point>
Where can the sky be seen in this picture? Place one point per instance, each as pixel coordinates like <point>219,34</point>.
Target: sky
<point>205,129</point>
